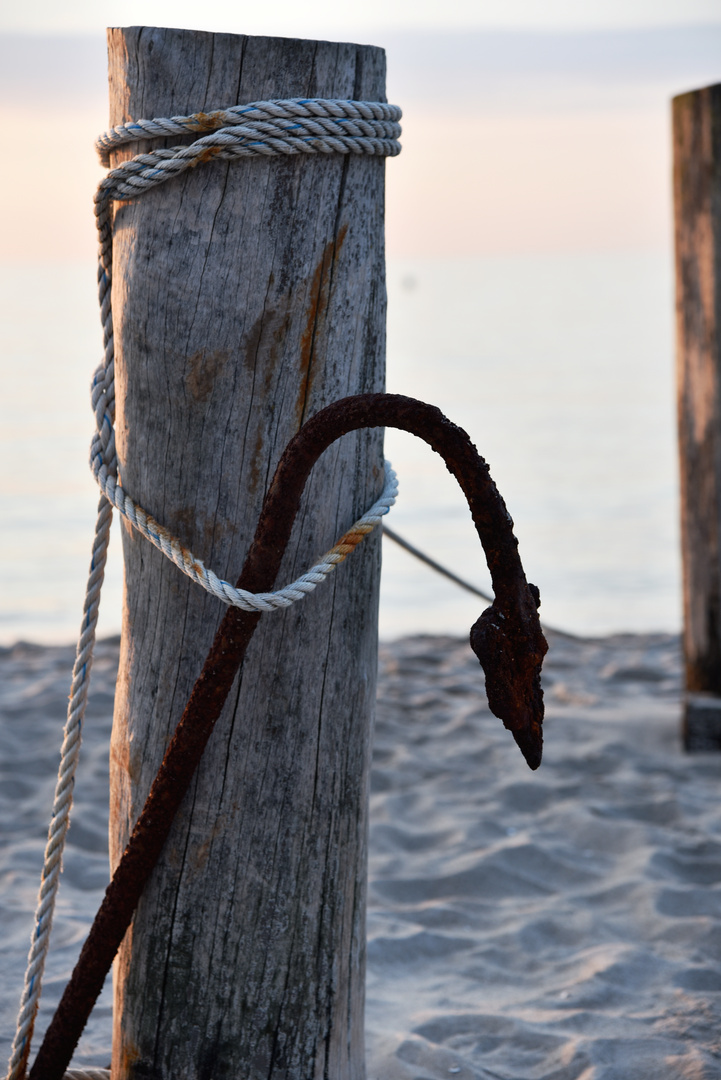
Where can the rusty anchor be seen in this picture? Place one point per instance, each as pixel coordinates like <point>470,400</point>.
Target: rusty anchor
<point>507,639</point>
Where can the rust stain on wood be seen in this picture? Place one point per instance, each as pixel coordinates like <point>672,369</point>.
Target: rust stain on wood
<point>126,760</point>
<point>129,1056</point>
<point>194,533</point>
<point>203,370</point>
<point>256,462</point>
<point>316,312</point>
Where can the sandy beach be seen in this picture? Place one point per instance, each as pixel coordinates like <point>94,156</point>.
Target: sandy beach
<point>557,925</point>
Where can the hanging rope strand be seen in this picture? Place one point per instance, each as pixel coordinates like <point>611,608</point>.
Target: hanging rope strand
<point>60,819</point>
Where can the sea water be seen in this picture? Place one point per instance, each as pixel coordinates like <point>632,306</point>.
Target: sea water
<point>561,369</point>
<point>559,366</point>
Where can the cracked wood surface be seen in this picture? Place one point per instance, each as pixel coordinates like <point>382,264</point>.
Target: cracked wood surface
<point>247,295</point>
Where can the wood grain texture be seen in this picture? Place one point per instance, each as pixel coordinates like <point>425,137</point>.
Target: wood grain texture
<point>247,295</point>
<point>697,201</point>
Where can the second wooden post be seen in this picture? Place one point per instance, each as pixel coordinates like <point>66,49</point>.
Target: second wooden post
<point>697,197</point>
<point>247,295</point>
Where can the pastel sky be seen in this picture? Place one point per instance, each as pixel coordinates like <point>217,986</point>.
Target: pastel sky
<point>313,17</point>
<point>529,125</point>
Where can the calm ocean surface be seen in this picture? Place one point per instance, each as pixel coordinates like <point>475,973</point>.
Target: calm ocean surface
<point>560,367</point>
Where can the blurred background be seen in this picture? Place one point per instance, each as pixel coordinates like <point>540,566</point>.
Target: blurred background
<point>529,233</point>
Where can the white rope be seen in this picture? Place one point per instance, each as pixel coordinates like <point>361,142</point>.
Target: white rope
<point>87,1074</point>
<point>196,570</point>
<point>259,129</point>
<point>60,819</point>
<point>268,129</point>
<point>310,126</point>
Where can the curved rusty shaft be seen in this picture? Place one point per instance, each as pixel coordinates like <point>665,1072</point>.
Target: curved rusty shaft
<point>507,639</point>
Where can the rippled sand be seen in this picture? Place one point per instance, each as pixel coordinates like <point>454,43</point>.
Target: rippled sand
<point>557,925</point>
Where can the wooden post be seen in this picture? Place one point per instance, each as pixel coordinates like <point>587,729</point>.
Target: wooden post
<point>247,295</point>
<point>697,198</point>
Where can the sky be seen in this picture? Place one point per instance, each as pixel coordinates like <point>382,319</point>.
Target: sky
<point>536,127</point>
<point>316,17</point>
<point>529,125</point>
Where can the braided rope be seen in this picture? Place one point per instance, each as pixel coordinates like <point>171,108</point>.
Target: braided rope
<point>297,120</point>
<point>260,129</point>
<point>280,130</point>
<point>60,819</point>
<point>87,1074</point>
<point>196,570</point>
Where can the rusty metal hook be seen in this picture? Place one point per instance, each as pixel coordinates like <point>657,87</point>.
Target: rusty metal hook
<point>507,639</point>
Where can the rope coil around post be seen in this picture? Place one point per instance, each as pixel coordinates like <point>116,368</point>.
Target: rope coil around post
<point>299,125</point>
<point>259,129</point>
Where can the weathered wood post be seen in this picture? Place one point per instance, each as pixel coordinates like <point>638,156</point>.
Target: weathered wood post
<point>697,199</point>
<point>247,295</point>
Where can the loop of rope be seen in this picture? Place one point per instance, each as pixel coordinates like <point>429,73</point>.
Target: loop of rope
<point>308,126</point>
<point>196,570</point>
